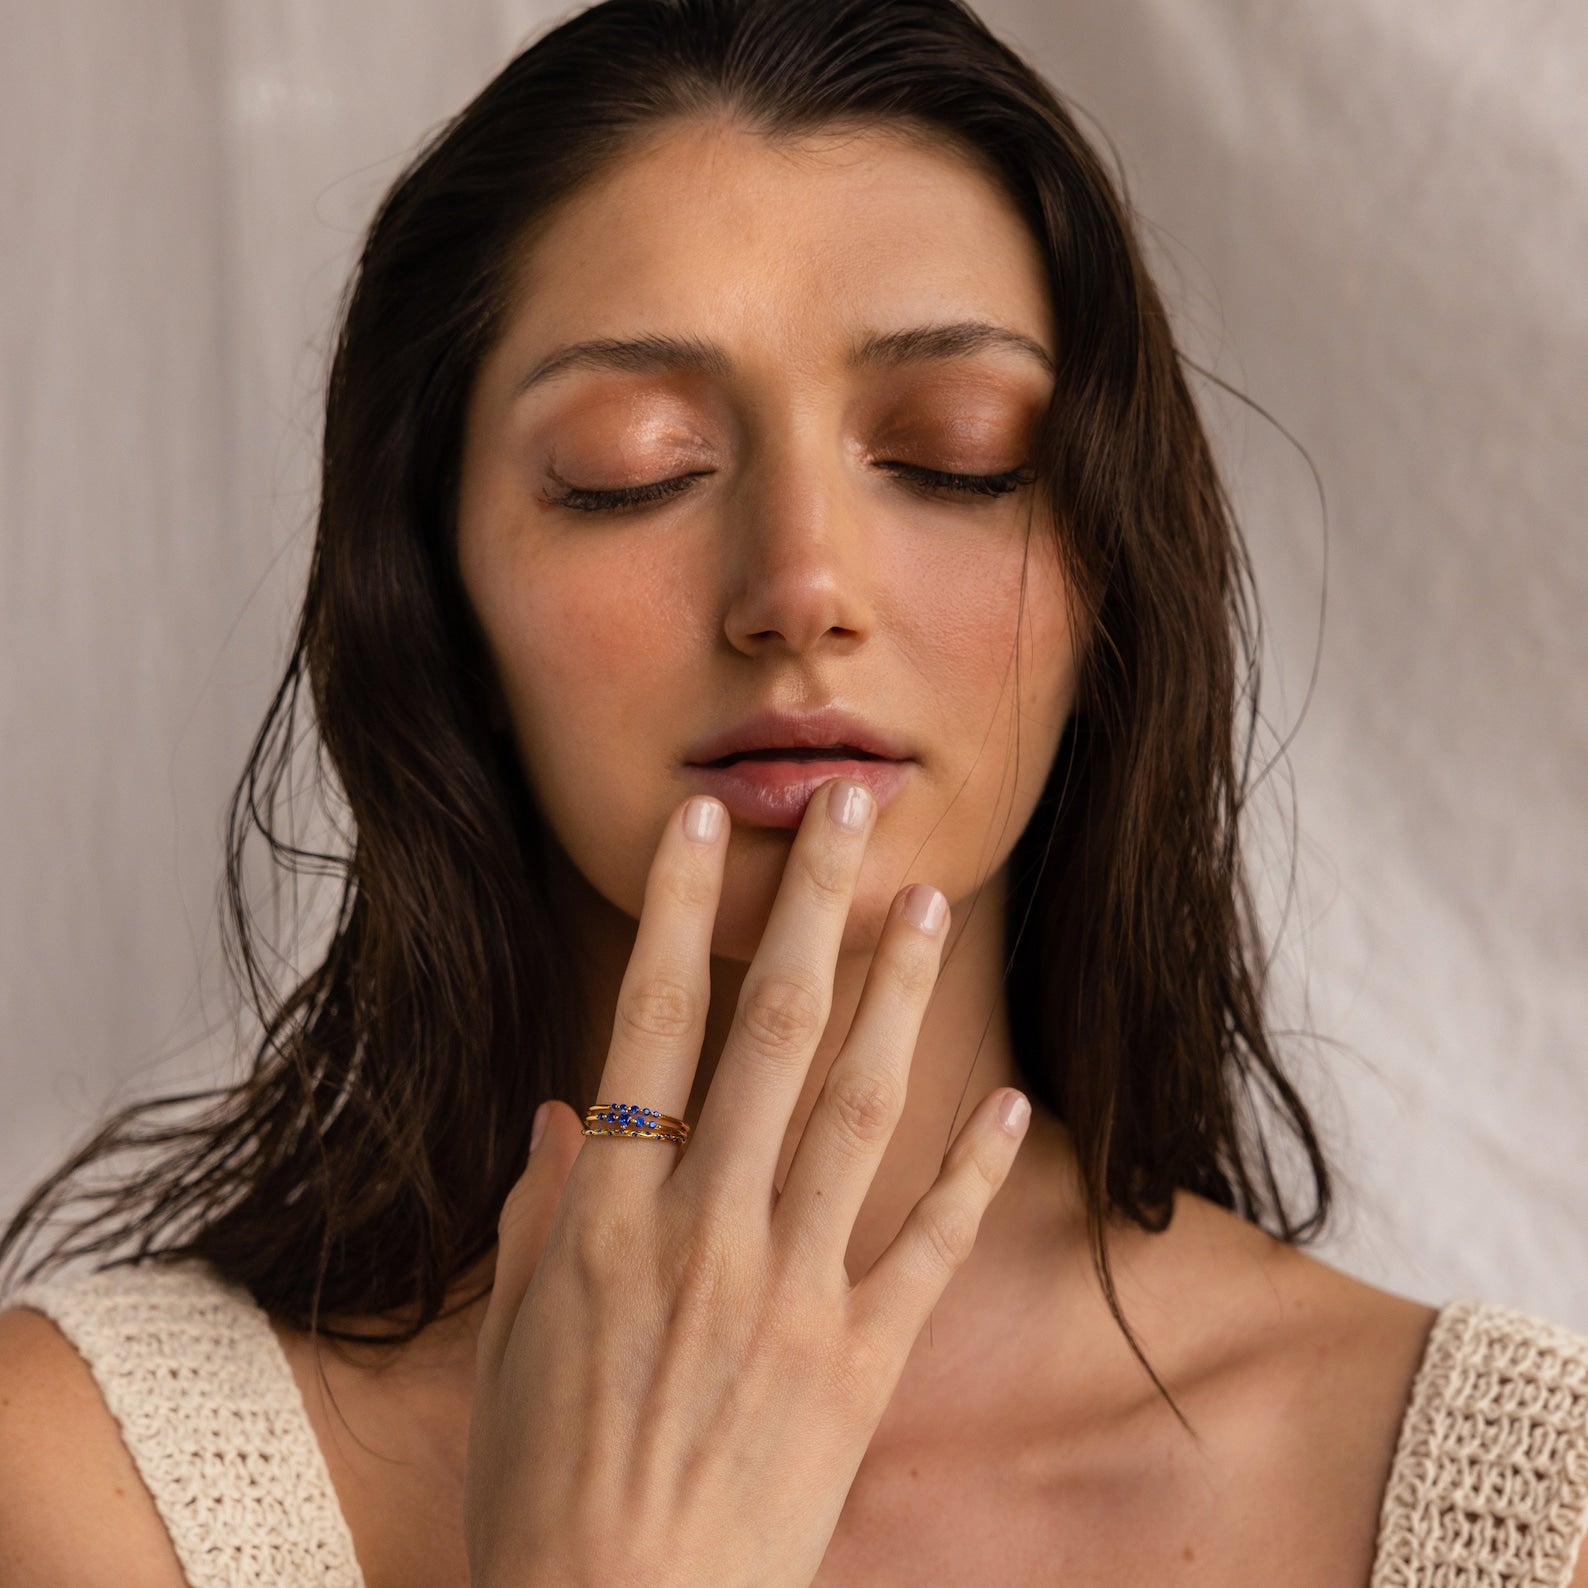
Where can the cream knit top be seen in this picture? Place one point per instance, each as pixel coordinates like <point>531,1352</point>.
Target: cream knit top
<point>1488,1487</point>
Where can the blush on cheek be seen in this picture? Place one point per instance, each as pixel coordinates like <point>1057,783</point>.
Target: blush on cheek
<point>974,617</point>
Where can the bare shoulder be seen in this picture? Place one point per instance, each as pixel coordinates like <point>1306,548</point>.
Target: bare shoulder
<point>1334,1346</point>
<point>72,1505</point>
<point>1353,1350</point>
<point>1296,1377</point>
<point>1378,1342</point>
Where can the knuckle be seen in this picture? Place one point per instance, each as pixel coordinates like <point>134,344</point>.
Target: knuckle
<point>658,1007</point>
<point>782,1014</point>
<point>689,886</point>
<point>789,1290</point>
<point>950,1233</point>
<point>858,1374</point>
<point>828,873</point>
<point>867,1106</point>
<point>983,1164</point>
<point>703,1269</point>
<point>914,972</point>
<point>988,1170</point>
<point>604,1248</point>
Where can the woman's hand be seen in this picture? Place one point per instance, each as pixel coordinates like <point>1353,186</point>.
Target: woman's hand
<point>676,1380</point>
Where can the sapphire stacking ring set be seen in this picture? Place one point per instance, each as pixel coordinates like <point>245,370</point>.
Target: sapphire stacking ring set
<point>629,1119</point>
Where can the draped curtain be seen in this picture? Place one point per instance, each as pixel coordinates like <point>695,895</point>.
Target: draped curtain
<point>1370,217</point>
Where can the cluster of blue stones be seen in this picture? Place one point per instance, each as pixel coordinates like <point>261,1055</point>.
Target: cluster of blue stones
<point>628,1114</point>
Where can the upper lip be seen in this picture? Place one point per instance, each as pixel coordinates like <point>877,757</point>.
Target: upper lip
<point>783,730</point>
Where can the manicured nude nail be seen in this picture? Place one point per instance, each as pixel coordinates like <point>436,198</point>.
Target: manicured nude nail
<point>924,906</point>
<point>848,805</point>
<point>1013,1113</point>
<point>703,820</point>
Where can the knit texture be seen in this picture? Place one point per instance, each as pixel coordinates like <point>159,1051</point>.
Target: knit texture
<point>1488,1487</point>
<point>211,1415</point>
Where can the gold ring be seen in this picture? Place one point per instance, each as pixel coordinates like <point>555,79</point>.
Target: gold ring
<point>629,1119</point>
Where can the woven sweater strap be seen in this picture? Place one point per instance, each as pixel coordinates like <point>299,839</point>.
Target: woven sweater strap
<point>211,1415</point>
<point>1489,1483</point>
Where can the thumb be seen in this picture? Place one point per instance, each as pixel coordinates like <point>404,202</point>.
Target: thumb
<point>524,1224</point>
<point>555,1136</point>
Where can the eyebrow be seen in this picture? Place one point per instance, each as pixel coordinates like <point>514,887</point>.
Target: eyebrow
<point>654,353</point>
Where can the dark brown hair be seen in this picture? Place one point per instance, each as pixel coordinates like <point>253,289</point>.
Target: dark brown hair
<point>360,1167</point>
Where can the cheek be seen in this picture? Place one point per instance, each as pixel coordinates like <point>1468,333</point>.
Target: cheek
<point>1050,648</point>
<point>568,663</point>
<point>966,619</point>
<point>999,717</point>
<point>587,724</point>
<point>563,617</point>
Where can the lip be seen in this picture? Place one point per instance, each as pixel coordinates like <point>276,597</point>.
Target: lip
<point>787,730</point>
<point>775,793</point>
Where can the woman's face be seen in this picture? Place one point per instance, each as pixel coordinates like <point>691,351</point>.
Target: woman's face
<point>798,567</point>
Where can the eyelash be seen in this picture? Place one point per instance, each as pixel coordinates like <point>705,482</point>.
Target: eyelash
<point>984,485</point>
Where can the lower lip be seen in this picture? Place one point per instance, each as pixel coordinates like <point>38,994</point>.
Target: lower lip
<point>775,793</point>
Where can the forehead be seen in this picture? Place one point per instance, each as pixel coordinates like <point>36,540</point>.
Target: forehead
<point>782,249</point>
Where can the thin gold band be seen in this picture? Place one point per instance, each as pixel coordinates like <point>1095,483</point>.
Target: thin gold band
<point>629,1119</point>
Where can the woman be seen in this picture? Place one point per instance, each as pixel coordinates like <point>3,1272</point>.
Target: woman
<point>739,408</point>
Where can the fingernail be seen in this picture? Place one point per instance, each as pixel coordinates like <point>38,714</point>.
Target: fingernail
<point>703,820</point>
<point>924,906</point>
<point>1013,1113</point>
<point>538,1128</point>
<point>849,807</point>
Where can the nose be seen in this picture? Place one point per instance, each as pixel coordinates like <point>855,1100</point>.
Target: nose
<point>799,573</point>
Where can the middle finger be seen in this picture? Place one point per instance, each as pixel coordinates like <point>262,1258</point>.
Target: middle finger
<point>786,997</point>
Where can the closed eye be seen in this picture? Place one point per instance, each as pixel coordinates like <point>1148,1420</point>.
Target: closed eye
<point>932,481</point>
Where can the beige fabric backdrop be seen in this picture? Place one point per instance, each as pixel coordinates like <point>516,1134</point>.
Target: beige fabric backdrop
<point>1371,215</point>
